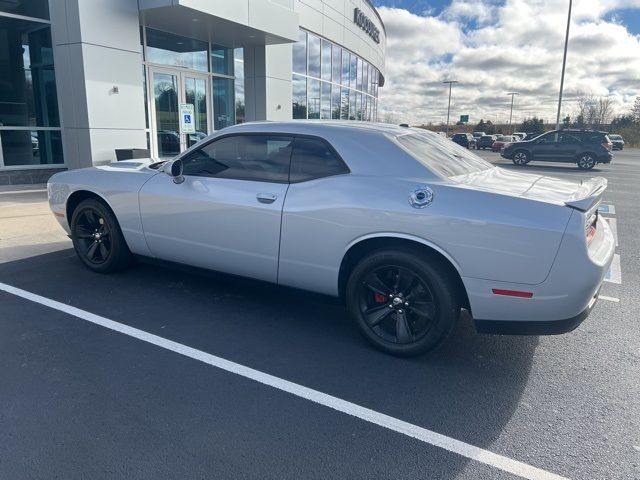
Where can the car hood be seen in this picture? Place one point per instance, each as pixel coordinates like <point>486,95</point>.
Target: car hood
<point>525,185</point>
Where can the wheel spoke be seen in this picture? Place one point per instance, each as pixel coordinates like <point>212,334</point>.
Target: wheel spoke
<point>83,232</point>
<point>376,285</point>
<point>375,315</point>
<point>91,252</point>
<point>403,331</point>
<point>423,309</point>
<point>405,281</point>
<point>103,251</point>
<point>92,221</point>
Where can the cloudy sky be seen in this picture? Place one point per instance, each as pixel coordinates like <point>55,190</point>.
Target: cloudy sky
<point>493,48</point>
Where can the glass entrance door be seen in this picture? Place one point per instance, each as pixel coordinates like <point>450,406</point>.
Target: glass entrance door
<point>170,89</point>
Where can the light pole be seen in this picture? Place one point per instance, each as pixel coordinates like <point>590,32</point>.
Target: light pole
<point>513,94</point>
<point>564,62</point>
<point>450,82</point>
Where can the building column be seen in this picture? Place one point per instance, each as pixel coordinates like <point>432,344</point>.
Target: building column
<point>267,82</point>
<point>99,76</point>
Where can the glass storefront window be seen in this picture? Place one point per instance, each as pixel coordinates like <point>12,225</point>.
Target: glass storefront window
<point>313,98</point>
<point>336,64</point>
<point>352,105</point>
<point>359,77</point>
<point>28,95</point>
<point>335,102</point>
<point>299,97</point>
<point>221,60</point>
<point>300,53</point>
<point>325,105</point>
<point>35,147</point>
<point>27,8</point>
<point>169,49</point>
<point>223,103</point>
<point>346,58</point>
<point>326,60</point>
<point>353,71</point>
<point>344,104</point>
<point>196,94</point>
<point>238,59</point>
<point>313,56</point>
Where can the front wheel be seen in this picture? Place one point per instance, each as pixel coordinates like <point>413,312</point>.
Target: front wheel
<point>520,158</point>
<point>402,302</point>
<point>586,161</point>
<point>97,238</point>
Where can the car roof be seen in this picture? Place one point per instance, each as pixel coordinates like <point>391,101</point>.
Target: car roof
<point>319,127</point>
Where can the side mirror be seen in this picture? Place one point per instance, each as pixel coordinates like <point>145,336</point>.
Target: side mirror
<point>174,169</point>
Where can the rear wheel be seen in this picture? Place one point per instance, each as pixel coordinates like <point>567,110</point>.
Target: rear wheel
<point>520,158</point>
<point>97,238</point>
<point>586,161</point>
<point>403,304</point>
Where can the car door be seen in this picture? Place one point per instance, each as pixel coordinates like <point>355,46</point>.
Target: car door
<point>546,147</point>
<point>569,144</point>
<point>226,214</point>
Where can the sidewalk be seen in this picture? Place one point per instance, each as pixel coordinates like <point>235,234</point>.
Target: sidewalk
<point>27,226</point>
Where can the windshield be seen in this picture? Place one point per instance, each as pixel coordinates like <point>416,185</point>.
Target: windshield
<point>615,137</point>
<point>442,156</point>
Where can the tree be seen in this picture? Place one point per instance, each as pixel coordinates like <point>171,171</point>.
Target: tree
<point>594,111</point>
<point>635,110</point>
<point>532,125</point>
<point>622,121</point>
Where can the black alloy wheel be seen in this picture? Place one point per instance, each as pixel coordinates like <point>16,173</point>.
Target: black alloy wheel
<point>586,161</point>
<point>403,303</point>
<point>97,238</point>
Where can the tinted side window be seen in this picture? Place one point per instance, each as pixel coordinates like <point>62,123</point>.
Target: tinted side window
<point>263,158</point>
<point>592,137</point>
<point>312,158</point>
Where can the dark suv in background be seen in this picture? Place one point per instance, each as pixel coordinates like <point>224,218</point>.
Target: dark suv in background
<point>585,148</point>
<point>463,139</point>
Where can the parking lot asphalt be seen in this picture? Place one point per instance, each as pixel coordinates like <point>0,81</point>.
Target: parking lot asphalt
<point>78,400</point>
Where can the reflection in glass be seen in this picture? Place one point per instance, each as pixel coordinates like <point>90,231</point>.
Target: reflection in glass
<point>336,64</point>
<point>36,147</point>
<point>165,92</point>
<point>313,50</point>
<point>238,58</point>
<point>223,103</point>
<point>344,104</point>
<point>326,100</point>
<point>353,71</point>
<point>300,53</point>
<point>313,98</point>
<point>299,97</point>
<point>169,49</point>
<point>326,60</point>
<point>221,60</point>
<point>365,77</point>
<point>346,57</point>
<point>196,94</point>
<point>352,105</point>
<point>27,8</point>
<point>335,102</point>
<point>359,78</point>
<point>28,84</point>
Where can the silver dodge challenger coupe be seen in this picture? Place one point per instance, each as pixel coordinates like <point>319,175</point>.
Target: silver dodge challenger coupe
<point>402,224</point>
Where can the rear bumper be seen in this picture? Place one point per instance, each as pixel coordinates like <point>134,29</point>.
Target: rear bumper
<point>535,327</point>
<point>606,158</point>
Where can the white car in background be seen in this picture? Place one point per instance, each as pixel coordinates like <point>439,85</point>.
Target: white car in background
<point>404,225</point>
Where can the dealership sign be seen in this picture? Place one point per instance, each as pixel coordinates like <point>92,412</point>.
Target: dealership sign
<point>365,23</point>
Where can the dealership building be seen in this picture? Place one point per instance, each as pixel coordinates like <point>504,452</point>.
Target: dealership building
<point>82,79</point>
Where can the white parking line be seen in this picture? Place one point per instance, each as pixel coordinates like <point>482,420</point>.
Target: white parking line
<point>614,275</point>
<point>607,208</point>
<point>609,299</point>
<point>430,437</point>
<point>614,228</point>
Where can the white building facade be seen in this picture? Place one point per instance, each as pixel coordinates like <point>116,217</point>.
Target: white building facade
<point>86,78</point>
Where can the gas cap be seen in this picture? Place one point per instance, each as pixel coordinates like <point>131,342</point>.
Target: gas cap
<point>421,197</point>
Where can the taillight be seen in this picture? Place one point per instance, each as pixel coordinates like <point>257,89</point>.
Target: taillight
<point>607,146</point>
<point>591,227</point>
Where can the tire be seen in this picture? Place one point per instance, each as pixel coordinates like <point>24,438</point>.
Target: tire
<point>520,157</point>
<point>586,161</point>
<point>403,303</point>
<point>97,238</point>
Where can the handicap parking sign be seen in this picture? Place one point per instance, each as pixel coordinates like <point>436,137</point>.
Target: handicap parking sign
<point>186,118</point>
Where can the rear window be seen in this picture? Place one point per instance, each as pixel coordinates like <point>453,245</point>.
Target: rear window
<point>592,137</point>
<point>442,157</point>
<point>615,137</point>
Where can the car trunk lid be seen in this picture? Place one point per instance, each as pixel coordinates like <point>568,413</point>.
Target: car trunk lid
<point>582,195</point>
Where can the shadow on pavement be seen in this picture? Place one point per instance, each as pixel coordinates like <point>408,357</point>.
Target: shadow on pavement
<point>468,389</point>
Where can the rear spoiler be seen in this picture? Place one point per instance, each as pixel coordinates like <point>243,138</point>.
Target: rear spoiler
<point>588,194</point>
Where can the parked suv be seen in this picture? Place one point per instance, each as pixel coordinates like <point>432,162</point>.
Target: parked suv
<point>485,141</point>
<point>585,148</point>
<point>617,143</point>
<point>463,139</point>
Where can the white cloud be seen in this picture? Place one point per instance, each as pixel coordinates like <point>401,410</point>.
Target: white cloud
<point>494,49</point>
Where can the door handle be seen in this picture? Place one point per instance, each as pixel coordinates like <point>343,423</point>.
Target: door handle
<point>266,197</point>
